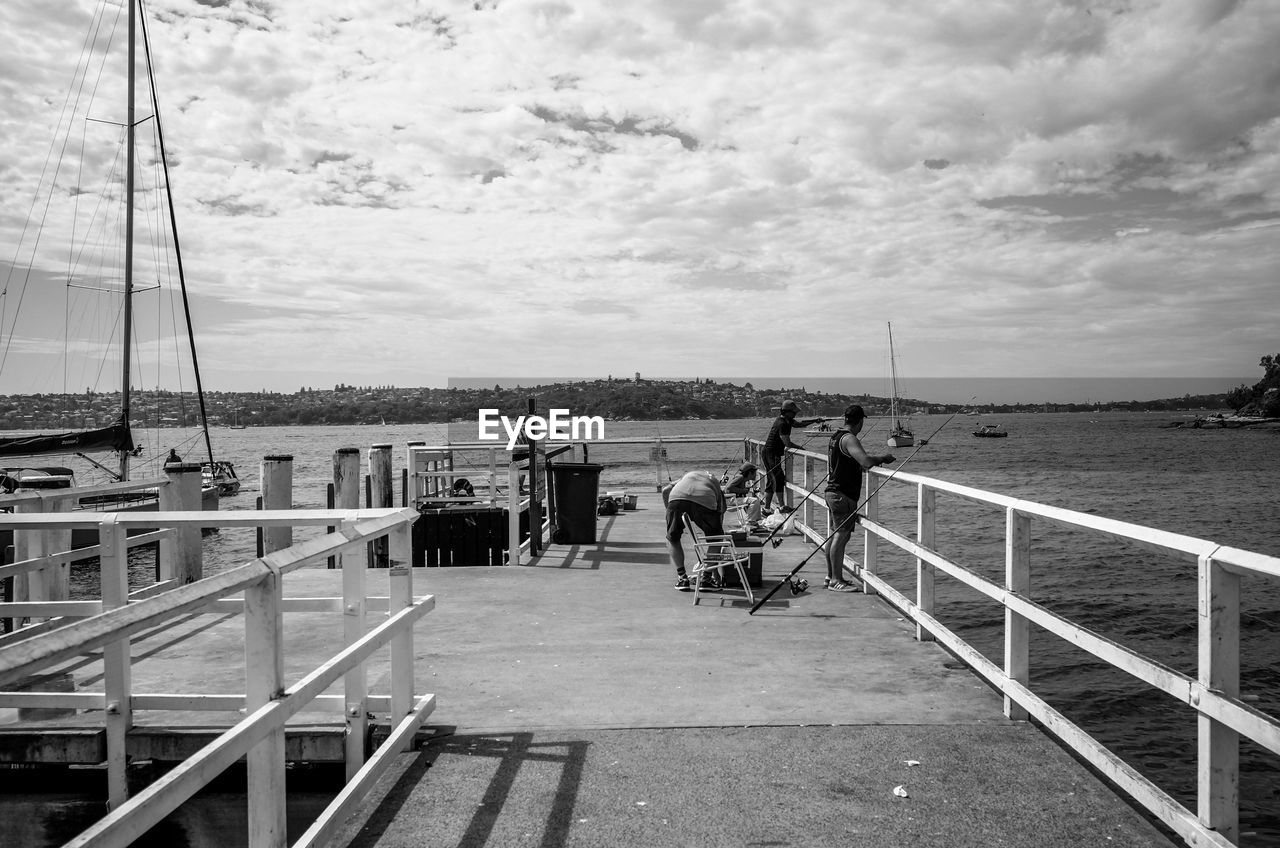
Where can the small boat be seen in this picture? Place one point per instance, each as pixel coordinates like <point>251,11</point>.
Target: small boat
<point>822,428</point>
<point>899,435</point>
<point>991,431</point>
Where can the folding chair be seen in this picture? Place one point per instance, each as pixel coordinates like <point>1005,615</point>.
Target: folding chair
<point>716,552</point>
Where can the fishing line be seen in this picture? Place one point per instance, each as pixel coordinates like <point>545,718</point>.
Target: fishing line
<point>821,545</point>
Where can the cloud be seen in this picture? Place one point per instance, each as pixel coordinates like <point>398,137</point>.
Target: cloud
<point>1023,188</point>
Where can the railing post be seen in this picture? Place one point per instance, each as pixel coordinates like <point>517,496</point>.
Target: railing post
<point>277,493</point>
<point>1218,769</point>
<point>1017,630</point>
<point>513,514</point>
<point>382,495</point>
<point>809,483</point>
<point>400,542</point>
<point>355,682</point>
<point>535,502</point>
<point>53,582</point>
<point>787,465</point>
<point>870,541</point>
<point>181,558</point>
<point>116,671</point>
<point>493,477</point>
<point>926,513</point>
<point>264,683</point>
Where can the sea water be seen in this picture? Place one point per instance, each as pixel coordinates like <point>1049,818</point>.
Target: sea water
<point>1217,485</point>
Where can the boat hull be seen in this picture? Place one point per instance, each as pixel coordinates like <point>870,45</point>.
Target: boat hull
<point>899,440</point>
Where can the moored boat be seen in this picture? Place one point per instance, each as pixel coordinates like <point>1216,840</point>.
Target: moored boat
<point>991,431</point>
<point>899,435</point>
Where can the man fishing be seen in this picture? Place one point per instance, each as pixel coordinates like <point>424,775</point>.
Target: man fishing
<point>846,460</point>
<point>775,448</point>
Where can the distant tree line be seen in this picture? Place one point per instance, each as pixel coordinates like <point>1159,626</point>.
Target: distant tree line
<point>1263,398</point>
<point>613,399</point>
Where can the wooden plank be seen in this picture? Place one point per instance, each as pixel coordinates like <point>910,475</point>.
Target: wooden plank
<point>1017,629</point>
<point>1218,772</point>
<point>264,683</point>
<point>116,668</point>
<point>926,520</point>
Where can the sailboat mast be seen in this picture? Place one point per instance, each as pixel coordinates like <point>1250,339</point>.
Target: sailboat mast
<point>893,379</point>
<point>128,243</point>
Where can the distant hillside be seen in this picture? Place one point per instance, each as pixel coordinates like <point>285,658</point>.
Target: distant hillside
<point>613,399</point>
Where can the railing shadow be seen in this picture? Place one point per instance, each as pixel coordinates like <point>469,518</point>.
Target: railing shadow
<point>511,751</point>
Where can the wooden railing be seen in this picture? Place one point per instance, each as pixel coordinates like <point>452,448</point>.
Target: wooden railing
<point>268,700</point>
<point>1214,693</point>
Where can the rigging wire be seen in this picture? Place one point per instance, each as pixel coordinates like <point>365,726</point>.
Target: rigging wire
<point>70,108</point>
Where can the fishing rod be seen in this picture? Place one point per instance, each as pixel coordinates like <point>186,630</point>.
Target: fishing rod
<point>781,523</point>
<point>821,545</point>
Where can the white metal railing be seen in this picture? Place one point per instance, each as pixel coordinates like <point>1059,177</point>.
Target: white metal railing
<point>268,700</point>
<point>1214,693</point>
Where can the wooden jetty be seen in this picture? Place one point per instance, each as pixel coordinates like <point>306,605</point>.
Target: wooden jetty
<point>579,700</point>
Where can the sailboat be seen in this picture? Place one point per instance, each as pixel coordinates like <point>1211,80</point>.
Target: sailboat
<point>899,435</point>
<point>103,268</point>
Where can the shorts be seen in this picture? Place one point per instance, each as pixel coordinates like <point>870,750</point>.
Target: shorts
<point>844,510</point>
<point>706,520</point>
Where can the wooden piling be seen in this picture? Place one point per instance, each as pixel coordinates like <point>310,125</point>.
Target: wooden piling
<point>345,486</point>
<point>277,493</point>
<point>182,556</point>
<point>381,495</point>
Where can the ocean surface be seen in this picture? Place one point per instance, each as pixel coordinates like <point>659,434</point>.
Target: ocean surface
<point>1218,485</point>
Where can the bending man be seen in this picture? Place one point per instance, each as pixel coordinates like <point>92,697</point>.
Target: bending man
<point>698,495</point>
<point>846,460</point>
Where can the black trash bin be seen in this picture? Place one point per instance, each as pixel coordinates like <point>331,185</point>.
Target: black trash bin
<point>577,489</point>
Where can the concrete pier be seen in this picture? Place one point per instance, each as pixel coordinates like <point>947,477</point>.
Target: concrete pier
<point>582,701</point>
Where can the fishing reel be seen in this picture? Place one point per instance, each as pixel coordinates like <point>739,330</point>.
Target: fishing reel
<point>797,586</point>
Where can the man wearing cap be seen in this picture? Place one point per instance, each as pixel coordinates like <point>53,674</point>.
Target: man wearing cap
<point>846,460</point>
<point>775,448</point>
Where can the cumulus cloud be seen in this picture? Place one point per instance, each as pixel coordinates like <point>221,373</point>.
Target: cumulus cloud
<point>1024,188</point>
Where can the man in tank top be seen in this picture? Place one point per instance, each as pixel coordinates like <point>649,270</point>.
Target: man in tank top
<point>846,460</point>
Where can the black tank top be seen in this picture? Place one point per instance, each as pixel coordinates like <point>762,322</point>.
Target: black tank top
<point>844,472</point>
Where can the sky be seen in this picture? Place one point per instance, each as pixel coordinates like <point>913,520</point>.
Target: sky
<point>400,193</point>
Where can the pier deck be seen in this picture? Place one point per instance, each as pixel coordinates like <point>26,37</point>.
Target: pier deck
<point>582,701</point>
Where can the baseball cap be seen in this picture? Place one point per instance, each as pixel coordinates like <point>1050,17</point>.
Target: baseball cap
<point>790,406</point>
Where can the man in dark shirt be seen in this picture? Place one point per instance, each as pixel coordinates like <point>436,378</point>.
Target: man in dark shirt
<point>846,460</point>
<point>775,448</point>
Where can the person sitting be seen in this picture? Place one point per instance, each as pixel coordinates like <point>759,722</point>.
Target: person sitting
<point>743,482</point>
